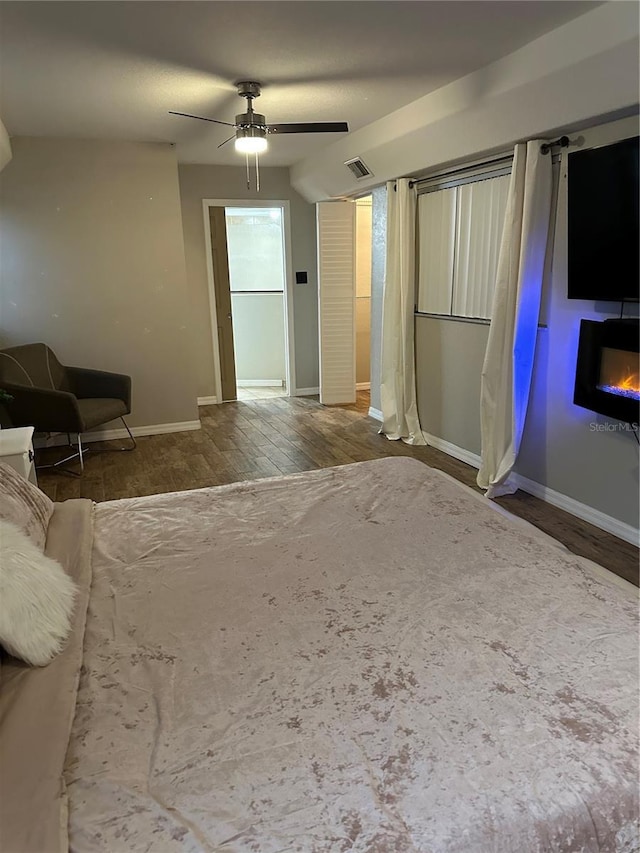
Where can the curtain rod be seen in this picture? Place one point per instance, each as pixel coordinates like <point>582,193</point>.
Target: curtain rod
<point>545,148</point>
<point>562,142</point>
<point>504,158</point>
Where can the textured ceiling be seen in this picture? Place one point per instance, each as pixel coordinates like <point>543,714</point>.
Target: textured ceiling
<point>114,69</point>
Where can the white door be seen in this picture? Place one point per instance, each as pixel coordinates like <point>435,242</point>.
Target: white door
<point>336,301</point>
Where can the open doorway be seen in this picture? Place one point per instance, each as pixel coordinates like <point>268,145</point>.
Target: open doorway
<point>255,247</point>
<point>250,295</point>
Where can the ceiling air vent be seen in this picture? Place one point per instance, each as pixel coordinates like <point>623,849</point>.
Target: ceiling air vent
<point>359,169</point>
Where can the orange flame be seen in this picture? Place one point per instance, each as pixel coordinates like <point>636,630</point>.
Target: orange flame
<point>631,382</point>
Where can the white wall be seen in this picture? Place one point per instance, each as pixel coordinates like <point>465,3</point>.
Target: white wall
<point>92,263</point>
<point>258,336</point>
<point>585,69</point>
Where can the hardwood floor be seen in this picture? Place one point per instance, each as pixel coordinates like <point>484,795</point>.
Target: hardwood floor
<point>250,439</point>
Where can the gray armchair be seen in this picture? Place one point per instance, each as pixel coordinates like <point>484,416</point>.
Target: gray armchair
<point>52,397</point>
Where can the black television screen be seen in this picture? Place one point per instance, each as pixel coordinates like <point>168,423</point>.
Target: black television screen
<point>603,222</point>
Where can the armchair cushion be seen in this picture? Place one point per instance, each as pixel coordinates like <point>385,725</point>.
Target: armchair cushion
<point>96,411</point>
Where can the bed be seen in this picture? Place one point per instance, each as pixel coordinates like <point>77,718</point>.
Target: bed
<point>363,658</point>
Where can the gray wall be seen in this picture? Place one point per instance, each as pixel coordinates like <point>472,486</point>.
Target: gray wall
<point>449,356</point>
<point>92,263</point>
<point>562,447</point>
<point>378,248</point>
<point>229,182</point>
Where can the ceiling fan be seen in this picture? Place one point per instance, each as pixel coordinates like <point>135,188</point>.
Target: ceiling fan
<point>251,129</point>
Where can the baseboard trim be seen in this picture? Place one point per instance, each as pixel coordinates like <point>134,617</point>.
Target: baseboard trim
<point>363,386</point>
<point>111,434</point>
<point>551,496</point>
<point>376,414</point>
<point>580,510</point>
<point>452,450</point>
<point>259,383</point>
<point>207,401</point>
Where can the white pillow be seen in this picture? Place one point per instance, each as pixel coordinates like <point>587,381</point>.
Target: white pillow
<point>36,599</point>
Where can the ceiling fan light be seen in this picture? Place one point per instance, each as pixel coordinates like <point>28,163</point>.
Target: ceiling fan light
<point>251,140</point>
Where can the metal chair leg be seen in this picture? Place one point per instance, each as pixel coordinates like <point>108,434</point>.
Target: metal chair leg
<point>82,451</point>
<point>80,454</point>
<point>133,441</point>
<point>72,457</point>
<point>120,449</point>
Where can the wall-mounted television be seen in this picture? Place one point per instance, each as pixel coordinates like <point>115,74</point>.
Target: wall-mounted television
<point>603,222</point>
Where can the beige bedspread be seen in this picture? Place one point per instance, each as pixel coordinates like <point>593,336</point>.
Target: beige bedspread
<point>366,658</point>
<point>37,706</point>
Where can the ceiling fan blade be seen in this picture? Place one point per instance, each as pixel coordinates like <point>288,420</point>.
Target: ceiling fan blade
<point>311,127</point>
<point>202,118</point>
<point>227,140</point>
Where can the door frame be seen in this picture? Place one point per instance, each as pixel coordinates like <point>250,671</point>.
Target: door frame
<point>289,347</point>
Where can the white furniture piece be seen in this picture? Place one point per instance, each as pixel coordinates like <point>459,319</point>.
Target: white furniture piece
<point>16,450</point>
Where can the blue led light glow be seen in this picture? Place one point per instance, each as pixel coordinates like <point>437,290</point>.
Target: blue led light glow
<point>632,393</point>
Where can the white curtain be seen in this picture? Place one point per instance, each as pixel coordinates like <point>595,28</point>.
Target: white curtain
<point>5,147</point>
<point>508,363</point>
<point>398,373</point>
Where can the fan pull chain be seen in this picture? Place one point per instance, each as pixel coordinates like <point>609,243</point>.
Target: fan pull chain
<point>248,177</point>
<point>257,174</point>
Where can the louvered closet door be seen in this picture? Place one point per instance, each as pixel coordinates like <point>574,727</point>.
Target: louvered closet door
<point>336,305</point>
<point>481,212</point>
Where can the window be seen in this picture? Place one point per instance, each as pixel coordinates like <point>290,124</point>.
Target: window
<point>460,222</point>
<point>256,249</point>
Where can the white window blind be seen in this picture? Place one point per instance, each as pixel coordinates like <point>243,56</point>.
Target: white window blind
<point>479,221</point>
<point>436,241</point>
<point>336,301</point>
<point>459,234</point>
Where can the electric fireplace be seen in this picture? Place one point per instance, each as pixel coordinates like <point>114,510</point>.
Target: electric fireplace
<point>607,372</point>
